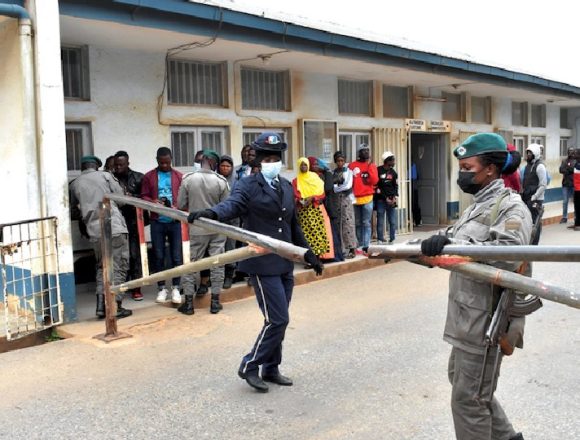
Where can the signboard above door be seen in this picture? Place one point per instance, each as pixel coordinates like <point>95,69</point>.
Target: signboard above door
<point>427,125</point>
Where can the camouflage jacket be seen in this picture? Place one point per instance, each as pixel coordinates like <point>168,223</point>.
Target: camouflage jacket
<point>497,217</point>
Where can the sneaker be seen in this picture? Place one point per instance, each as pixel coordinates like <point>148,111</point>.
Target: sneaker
<point>162,295</point>
<point>564,220</point>
<point>137,295</point>
<point>175,296</point>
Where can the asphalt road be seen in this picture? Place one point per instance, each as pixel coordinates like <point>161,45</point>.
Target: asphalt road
<point>365,351</point>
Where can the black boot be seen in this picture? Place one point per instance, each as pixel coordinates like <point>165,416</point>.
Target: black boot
<point>202,290</point>
<point>215,304</point>
<point>187,307</point>
<point>101,306</point>
<point>518,436</point>
<point>122,312</point>
<point>228,281</point>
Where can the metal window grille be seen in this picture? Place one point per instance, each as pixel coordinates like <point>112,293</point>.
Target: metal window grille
<point>349,141</point>
<point>75,72</point>
<point>320,139</point>
<point>564,118</point>
<point>453,107</point>
<point>355,97</point>
<point>520,114</point>
<point>29,277</point>
<point>395,102</point>
<point>538,115</point>
<point>78,144</point>
<point>480,110</point>
<point>265,89</point>
<point>195,83</point>
<point>564,146</point>
<point>184,149</point>
<point>185,142</point>
<point>540,140</point>
<point>520,142</point>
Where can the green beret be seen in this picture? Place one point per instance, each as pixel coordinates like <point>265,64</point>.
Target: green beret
<point>480,143</point>
<point>93,159</point>
<point>210,154</point>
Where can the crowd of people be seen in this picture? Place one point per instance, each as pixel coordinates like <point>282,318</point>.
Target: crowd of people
<point>333,206</point>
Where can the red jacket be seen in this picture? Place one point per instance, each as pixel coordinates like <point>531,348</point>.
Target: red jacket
<point>577,178</point>
<point>364,187</point>
<point>149,187</point>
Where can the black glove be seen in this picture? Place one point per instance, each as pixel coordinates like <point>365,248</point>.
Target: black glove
<point>206,213</point>
<point>314,261</point>
<point>434,245</point>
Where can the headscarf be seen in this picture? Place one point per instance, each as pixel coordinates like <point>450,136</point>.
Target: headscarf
<point>308,183</point>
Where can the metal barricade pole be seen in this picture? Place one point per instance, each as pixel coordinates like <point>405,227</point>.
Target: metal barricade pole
<point>111,332</point>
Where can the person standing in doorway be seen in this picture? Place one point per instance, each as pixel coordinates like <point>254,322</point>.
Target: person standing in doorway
<point>161,185</point>
<point>386,195</point>
<point>365,177</point>
<point>567,170</point>
<point>130,181</point>
<point>266,202</point>
<point>86,194</point>
<point>534,186</point>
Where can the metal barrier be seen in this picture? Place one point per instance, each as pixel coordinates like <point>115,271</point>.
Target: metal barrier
<point>30,290</point>
<point>259,244</point>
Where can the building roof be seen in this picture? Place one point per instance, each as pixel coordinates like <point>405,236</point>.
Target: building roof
<point>300,33</point>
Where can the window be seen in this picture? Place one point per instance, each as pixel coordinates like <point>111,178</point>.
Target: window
<point>186,141</point>
<point>564,142</point>
<point>75,72</point>
<point>355,97</point>
<point>79,143</point>
<point>538,115</point>
<point>249,135</point>
<point>320,139</point>
<point>564,118</point>
<point>507,135</point>
<point>265,89</point>
<point>480,110</point>
<point>520,114</point>
<point>396,102</point>
<point>453,107</point>
<point>520,142</point>
<point>196,83</point>
<point>349,141</point>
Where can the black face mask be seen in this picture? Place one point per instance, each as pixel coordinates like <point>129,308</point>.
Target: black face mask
<point>466,183</point>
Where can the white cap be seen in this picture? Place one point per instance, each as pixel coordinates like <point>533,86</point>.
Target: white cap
<point>387,154</point>
<point>535,149</point>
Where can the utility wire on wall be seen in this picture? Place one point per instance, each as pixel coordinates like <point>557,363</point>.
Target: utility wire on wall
<point>177,50</point>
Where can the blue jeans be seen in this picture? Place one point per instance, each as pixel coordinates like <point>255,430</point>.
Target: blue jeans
<point>159,233</point>
<point>362,221</point>
<point>567,194</point>
<point>384,208</point>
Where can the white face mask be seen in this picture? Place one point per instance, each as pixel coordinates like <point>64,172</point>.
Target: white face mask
<point>271,169</point>
<point>196,166</point>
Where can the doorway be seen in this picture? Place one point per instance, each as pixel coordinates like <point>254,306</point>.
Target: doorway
<point>428,156</point>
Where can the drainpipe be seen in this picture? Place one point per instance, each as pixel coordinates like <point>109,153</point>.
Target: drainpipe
<point>28,95</point>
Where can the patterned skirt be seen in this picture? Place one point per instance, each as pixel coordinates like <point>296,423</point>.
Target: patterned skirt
<point>316,227</point>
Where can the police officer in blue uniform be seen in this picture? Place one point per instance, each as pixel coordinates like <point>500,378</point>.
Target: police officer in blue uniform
<point>265,201</point>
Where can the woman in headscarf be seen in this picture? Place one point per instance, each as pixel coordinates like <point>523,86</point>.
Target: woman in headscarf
<point>321,168</point>
<point>312,216</point>
<point>341,200</point>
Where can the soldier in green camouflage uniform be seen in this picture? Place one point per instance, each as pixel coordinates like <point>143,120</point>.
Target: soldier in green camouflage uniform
<point>497,217</point>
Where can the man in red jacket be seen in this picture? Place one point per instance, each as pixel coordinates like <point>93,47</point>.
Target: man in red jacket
<point>576,182</point>
<point>364,181</point>
<point>161,185</point>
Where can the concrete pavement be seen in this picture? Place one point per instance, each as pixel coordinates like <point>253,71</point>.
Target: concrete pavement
<point>364,349</point>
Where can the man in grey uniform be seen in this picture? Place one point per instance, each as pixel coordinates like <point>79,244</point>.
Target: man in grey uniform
<point>497,217</point>
<point>203,189</point>
<point>86,194</point>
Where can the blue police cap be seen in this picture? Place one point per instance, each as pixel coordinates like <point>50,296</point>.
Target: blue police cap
<point>271,142</point>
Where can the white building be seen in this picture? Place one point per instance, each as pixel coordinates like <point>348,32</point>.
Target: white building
<point>139,74</point>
